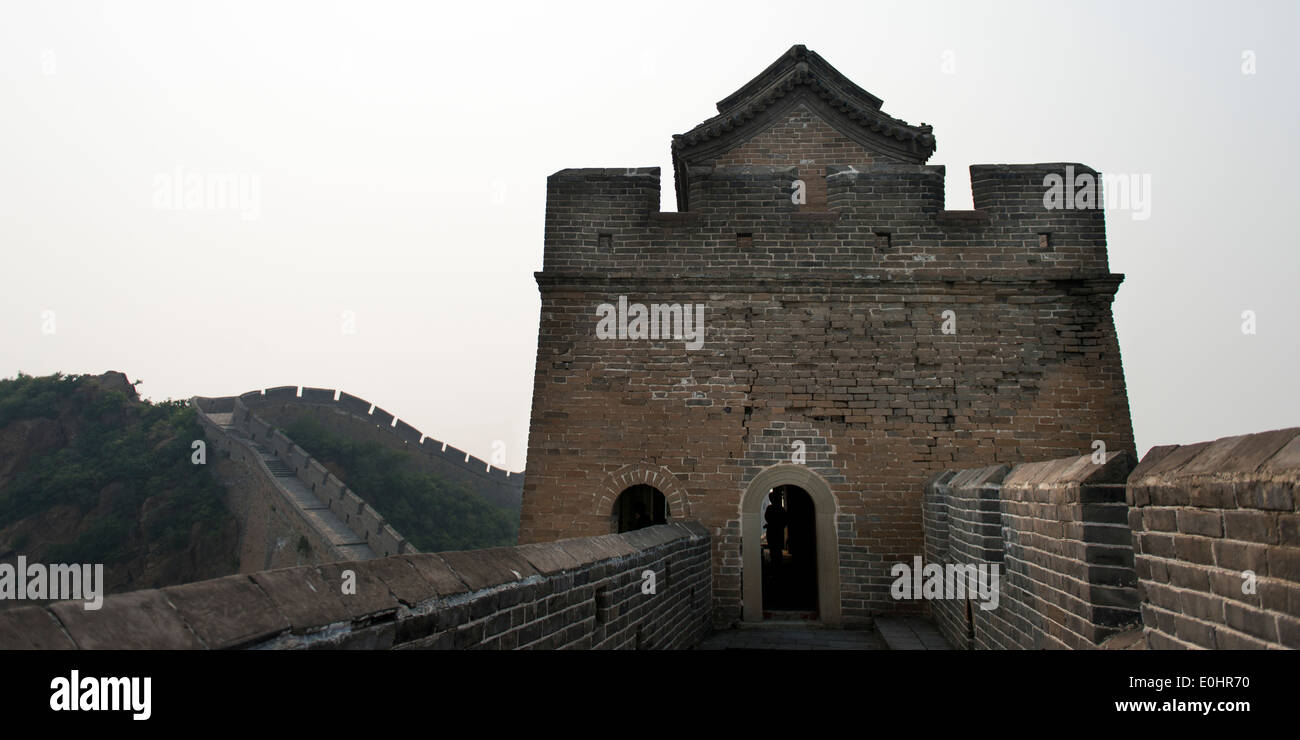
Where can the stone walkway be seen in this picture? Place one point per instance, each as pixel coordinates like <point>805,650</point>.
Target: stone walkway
<point>316,512</point>
<point>910,633</point>
<point>333,529</point>
<point>900,633</point>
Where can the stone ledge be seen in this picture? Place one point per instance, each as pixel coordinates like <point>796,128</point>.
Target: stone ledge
<point>531,595</point>
<point>548,558</point>
<point>1255,457</point>
<point>436,571</point>
<point>603,173</point>
<point>964,218</point>
<point>32,628</point>
<point>692,527</point>
<point>974,478</point>
<point>905,281</point>
<point>303,597</point>
<point>227,612</point>
<point>373,596</point>
<point>399,580</point>
<point>651,537</point>
<point>483,569</point>
<point>1070,472</point>
<point>130,621</point>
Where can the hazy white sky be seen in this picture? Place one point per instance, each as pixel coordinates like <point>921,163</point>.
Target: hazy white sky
<point>394,160</point>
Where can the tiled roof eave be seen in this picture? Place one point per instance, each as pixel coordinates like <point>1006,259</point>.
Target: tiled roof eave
<point>868,118</point>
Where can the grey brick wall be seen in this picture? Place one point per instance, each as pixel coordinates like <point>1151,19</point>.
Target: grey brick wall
<point>1199,546</point>
<point>1202,515</point>
<point>571,594</point>
<point>1058,532</point>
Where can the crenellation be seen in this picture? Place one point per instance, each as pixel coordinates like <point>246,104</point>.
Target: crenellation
<point>878,216</point>
<point>382,418</point>
<point>280,393</point>
<point>317,395</point>
<point>407,432</point>
<point>353,404</point>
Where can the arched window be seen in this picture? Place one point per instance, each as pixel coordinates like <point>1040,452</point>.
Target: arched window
<point>640,506</point>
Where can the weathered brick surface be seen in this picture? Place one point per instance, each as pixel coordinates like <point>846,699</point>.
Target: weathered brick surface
<point>803,140</point>
<point>823,324</point>
<point>1204,515</point>
<point>1058,531</point>
<point>33,628</point>
<point>140,619</point>
<point>585,593</point>
<point>1198,546</point>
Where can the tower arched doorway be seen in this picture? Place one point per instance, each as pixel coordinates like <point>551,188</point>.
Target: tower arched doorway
<point>816,513</point>
<point>789,555</point>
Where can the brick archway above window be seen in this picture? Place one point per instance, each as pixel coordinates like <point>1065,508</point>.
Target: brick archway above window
<point>642,473</point>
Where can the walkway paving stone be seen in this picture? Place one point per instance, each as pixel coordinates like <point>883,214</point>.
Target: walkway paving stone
<point>895,633</point>
<point>911,633</point>
<point>792,638</point>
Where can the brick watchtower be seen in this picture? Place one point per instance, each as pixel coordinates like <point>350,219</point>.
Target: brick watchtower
<point>856,337</point>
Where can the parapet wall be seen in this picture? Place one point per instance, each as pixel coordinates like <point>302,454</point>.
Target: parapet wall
<point>877,217</point>
<point>271,520</point>
<point>359,516</point>
<point>256,416</point>
<point>496,484</point>
<point>1055,531</point>
<point>1216,528</point>
<point>1069,580</point>
<point>1199,546</point>
<point>578,593</point>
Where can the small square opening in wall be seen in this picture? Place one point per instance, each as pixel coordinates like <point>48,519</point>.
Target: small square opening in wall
<point>1044,240</point>
<point>604,240</point>
<point>744,239</point>
<point>884,240</point>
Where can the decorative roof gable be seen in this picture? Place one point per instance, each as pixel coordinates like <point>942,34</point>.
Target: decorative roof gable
<point>802,76</point>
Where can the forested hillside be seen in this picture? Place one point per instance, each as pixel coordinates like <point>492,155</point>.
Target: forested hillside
<point>89,473</point>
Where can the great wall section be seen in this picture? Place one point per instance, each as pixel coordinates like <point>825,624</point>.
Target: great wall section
<point>952,451</point>
<point>300,513</point>
<point>1195,547</point>
<point>581,593</point>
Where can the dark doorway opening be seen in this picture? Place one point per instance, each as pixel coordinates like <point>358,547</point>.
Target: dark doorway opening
<point>789,555</point>
<point>640,506</point>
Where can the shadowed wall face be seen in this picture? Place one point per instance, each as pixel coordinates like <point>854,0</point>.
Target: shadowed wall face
<point>1197,547</point>
<point>865,333</point>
